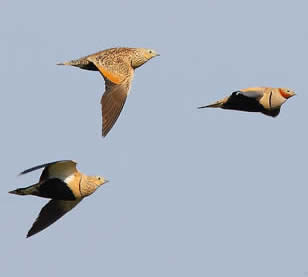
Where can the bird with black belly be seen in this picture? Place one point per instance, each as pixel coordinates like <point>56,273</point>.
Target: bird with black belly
<point>266,100</point>
<point>64,185</point>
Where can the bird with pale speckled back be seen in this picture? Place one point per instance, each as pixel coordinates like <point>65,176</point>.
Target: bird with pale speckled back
<point>117,67</point>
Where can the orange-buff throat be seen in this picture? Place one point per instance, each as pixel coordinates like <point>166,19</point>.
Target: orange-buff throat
<point>284,94</point>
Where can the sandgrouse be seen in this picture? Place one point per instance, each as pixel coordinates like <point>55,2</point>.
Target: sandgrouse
<point>266,100</point>
<point>65,185</point>
<point>117,66</point>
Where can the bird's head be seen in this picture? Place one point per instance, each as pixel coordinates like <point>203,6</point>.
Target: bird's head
<point>97,181</point>
<point>142,55</point>
<point>286,93</point>
<point>149,53</point>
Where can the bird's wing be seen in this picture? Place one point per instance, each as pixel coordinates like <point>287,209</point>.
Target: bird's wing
<point>272,112</point>
<point>256,93</point>
<point>44,165</point>
<point>50,213</point>
<point>112,75</point>
<point>60,169</point>
<point>113,101</point>
<point>113,67</point>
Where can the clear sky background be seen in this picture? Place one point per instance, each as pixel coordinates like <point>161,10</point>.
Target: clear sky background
<point>193,192</point>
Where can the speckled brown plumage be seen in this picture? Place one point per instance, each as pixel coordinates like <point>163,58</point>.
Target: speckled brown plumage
<point>117,66</point>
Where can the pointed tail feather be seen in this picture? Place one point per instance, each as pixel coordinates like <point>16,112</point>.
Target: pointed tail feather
<point>73,63</point>
<point>25,191</point>
<point>17,191</point>
<point>64,63</point>
<point>214,105</point>
<point>82,63</point>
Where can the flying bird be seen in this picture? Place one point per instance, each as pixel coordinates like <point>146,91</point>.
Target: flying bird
<point>265,100</point>
<point>65,185</point>
<point>117,66</point>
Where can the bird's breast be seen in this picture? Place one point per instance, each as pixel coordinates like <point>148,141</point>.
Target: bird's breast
<point>74,183</point>
<point>86,187</point>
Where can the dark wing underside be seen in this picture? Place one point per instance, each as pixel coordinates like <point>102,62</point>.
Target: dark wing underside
<point>273,112</point>
<point>41,166</point>
<point>50,213</point>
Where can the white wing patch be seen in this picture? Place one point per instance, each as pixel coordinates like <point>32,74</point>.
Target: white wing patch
<point>68,179</point>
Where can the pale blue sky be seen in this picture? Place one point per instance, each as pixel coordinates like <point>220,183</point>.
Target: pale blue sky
<point>192,192</point>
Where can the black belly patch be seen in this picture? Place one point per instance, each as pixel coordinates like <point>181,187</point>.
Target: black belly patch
<point>56,189</point>
<point>240,102</point>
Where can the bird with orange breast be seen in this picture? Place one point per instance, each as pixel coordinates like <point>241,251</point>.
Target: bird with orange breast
<point>117,66</point>
<point>266,100</point>
<point>65,185</point>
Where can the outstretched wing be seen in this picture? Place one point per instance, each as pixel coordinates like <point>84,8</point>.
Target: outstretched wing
<point>112,102</point>
<point>61,170</point>
<point>45,165</point>
<point>50,213</point>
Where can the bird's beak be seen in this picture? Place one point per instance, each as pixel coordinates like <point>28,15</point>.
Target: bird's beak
<point>292,95</point>
<point>157,55</point>
<point>106,181</point>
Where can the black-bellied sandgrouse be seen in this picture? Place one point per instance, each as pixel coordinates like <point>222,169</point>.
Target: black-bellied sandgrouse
<point>265,100</point>
<point>117,66</point>
<point>65,185</point>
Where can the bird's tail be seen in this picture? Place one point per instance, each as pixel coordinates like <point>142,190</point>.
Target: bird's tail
<point>25,191</point>
<point>82,63</point>
<point>217,104</point>
<point>64,63</point>
<point>74,62</point>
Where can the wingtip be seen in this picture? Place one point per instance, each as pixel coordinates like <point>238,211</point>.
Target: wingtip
<point>23,172</point>
<point>30,233</point>
<point>105,133</point>
<point>214,105</point>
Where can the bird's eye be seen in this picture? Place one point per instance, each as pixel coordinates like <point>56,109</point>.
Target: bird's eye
<point>150,51</point>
